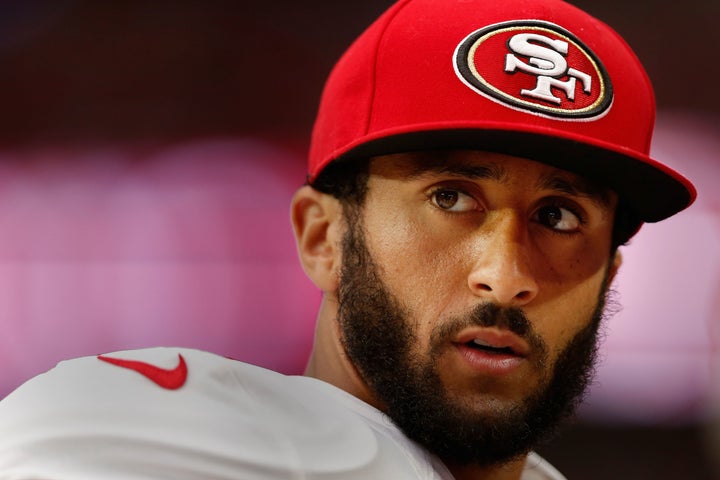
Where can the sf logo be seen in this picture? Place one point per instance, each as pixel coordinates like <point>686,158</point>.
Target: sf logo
<point>546,61</point>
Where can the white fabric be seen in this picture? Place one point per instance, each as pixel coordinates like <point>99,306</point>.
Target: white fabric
<point>88,420</point>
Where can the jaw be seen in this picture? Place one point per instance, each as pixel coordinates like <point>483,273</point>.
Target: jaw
<point>329,361</point>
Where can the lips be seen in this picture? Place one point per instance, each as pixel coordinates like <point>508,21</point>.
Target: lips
<point>494,341</point>
<point>492,351</point>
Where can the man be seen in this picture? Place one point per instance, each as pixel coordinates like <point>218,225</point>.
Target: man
<point>473,170</point>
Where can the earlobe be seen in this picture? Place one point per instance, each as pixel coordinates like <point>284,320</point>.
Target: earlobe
<point>316,219</point>
<point>614,266</point>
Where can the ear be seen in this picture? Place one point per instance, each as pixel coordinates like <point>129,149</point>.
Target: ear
<point>615,266</point>
<point>317,223</point>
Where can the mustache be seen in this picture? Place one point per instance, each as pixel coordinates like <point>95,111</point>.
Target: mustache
<point>509,318</point>
<point>488,315</point>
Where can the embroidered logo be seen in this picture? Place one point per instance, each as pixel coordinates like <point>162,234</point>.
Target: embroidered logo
<point>171,379</point>
<point>537,67</point>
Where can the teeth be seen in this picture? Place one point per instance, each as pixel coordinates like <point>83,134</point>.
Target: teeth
<point>477,341</point>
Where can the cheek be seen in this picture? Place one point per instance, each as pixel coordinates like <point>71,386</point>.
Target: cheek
<point>419,266</point>
<point>559,319</point>
<point>560,266</point>
<point>571,282</point>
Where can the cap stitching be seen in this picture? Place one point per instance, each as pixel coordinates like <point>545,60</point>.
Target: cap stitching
<point>381,37</point>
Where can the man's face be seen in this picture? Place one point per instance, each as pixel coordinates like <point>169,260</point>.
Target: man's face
<point>471,290</point>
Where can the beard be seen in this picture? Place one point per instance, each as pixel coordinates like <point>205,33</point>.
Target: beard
<point>378,337</point>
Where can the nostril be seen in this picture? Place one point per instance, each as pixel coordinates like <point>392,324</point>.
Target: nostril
<point>524,295</point>
<point>504,293</point>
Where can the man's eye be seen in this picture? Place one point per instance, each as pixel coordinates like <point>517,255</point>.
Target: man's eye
<point>453,200</point>
<point>558,218</point>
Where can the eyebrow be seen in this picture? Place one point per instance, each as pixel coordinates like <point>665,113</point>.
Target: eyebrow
<point>578,187</point>
<point>442,167</point>
<point>554,181</point>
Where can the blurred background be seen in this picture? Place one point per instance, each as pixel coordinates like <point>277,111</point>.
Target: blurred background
<point>149,151</point>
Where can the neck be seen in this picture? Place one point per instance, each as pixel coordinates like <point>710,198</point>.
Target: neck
<point>509,471</point>
<point>329,362</point>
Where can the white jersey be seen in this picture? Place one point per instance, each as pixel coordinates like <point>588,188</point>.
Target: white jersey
<point>169,413</point>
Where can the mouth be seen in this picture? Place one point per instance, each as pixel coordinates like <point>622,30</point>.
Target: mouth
<point>493,341</point>
<point>492,351</point>
<point>481,345</point>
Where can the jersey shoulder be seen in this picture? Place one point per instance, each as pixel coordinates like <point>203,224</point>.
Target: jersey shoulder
<point>181,412</point>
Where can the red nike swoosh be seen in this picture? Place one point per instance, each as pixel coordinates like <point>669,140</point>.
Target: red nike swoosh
<point>171,379</point>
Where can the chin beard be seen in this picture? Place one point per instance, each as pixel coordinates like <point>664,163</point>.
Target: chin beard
<point>378,337</point>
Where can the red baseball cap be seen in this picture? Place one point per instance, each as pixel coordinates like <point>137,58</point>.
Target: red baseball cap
<point>541,80</point>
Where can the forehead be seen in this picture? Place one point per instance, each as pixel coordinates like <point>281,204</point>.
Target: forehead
<point>479,165</point>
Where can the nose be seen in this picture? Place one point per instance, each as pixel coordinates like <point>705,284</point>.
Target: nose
<point>502,271</point>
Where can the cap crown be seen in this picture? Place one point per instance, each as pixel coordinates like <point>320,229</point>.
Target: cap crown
<point>537,79</point>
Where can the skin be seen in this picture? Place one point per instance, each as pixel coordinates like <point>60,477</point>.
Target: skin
<point>450,230</point>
